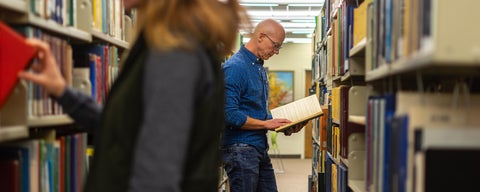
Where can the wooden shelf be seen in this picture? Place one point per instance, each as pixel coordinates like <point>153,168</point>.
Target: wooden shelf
<point>337,78</point>
<point>359,49</point>
<point>361,120</point>
<point>345,162</point>
<point>51,26</point>
<point>346,76</point>
<point>357,185</point>
<point>109,39</point>
<point>335,160</point>
<point>334,14</point>
<point>329,32</point>
<point>52,120</point>
<point>14,5</point>
<point>13,132</point>
<point>425,62</point>
<point>377,73</point>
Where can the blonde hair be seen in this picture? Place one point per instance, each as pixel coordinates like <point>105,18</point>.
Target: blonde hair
<point>169,24</point>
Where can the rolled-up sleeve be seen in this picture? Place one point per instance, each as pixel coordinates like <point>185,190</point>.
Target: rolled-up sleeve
<point>234,117</point>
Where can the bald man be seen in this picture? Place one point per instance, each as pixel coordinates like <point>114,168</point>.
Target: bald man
<point>244,141</point>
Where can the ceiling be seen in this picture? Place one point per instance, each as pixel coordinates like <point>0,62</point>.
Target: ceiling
<point>296,16</point>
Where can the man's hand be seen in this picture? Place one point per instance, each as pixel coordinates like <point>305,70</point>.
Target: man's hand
<point>295,128</point>
<point>272,124</point>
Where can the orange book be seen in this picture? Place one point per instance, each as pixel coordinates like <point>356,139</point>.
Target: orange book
<point>15,54</point>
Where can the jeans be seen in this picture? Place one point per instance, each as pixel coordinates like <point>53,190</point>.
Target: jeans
<point>248,169</point>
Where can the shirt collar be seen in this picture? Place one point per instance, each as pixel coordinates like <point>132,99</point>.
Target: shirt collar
<point>251,58</point>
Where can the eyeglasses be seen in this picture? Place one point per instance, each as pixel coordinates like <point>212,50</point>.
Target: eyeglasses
<point>276,45</point>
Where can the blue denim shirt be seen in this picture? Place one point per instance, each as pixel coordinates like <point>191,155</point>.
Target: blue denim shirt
<point>246,94</point>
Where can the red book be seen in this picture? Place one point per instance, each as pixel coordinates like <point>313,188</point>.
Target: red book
<point>15,54</point>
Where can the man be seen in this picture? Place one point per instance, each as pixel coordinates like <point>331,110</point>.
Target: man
<point>245,145</point>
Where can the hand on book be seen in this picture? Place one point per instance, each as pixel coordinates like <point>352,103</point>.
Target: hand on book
<point>295,128</point>
<point>272,124</point>
<point>46,72</point>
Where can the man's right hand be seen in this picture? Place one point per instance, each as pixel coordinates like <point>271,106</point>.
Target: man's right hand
<point>272,124</point>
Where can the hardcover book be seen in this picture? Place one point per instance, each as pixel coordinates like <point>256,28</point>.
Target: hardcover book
<point>15,55</point>
<point>298,112</point>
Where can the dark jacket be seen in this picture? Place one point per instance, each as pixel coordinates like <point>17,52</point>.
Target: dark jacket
<point>119,159</point>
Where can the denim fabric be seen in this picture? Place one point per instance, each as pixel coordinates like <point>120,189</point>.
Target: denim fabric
<point>246,94</point>
<point>248,169</point>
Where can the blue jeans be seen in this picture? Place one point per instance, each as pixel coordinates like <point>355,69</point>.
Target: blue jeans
<point>248,169</point>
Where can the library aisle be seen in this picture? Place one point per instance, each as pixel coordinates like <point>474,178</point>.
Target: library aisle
<point>295,175</point>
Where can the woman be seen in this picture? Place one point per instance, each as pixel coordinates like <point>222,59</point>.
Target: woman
<point>160,126</point>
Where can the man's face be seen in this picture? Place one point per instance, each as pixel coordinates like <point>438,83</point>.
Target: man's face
<point>270,45</point>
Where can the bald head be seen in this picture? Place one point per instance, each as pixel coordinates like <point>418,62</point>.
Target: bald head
<point>267,39</point>
<point>270,27</point>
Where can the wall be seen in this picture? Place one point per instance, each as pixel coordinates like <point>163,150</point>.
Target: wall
<point>293,57</point>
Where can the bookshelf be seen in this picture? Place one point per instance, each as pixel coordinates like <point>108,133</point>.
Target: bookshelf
<point>51,26</point>
<point>17,6</point>
<point>111,40</point>
<point>30,121</point>
<point>404,97</point>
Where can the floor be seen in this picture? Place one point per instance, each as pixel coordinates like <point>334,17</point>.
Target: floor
<point>294,177</point>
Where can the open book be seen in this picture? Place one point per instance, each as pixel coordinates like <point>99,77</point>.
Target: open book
<point>298,111</point>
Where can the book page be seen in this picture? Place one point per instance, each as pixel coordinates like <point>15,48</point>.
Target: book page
<point>298,111</point>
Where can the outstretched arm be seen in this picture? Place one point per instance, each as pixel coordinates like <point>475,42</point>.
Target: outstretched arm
<point>46,73</point>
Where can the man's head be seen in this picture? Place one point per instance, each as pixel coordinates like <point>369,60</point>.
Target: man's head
<point>266,39</point>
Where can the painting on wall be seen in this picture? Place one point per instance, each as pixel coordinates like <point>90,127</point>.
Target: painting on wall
<point>281,88</point>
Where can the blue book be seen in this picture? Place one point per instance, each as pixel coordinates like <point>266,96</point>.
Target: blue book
<point>389,113</point>
<point>328,173</point>
<point>388,30</point>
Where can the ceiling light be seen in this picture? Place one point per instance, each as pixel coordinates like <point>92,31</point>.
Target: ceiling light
<point>305,4</point>
<point>284,13</point>
<point>287,40</point>
<point>302,32</point>
<point>259,4</point>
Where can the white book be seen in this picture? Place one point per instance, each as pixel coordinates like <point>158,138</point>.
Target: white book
<point>298,111</point>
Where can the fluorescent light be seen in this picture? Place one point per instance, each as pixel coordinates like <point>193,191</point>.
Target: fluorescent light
<point>281,1</point>
<point>310,20</point>
<point>302,32</point>
<point>259,4</point>
<point>279,18</point>
<point>298,40</point>
<point>283,13</point>
<point>295,25</point>
<point>305,4</point>
<point>287,40</point>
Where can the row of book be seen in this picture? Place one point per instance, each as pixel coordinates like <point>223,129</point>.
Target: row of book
<point>407,29</point>
<point>97,65</point>
<point>404,134</point>
<point>343,26</point>
<point>108,17</point>
<point>101,64</point>
<point>405,126</point>
<point>59,11</point>
<point>335,176</point>
<point>104,16</point>
<point>39,102</point>
<point>46,164</point>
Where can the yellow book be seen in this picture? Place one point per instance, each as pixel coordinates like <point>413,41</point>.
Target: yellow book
<point>334,178</point>
<point>360,23</point>
<point>406,28</point>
